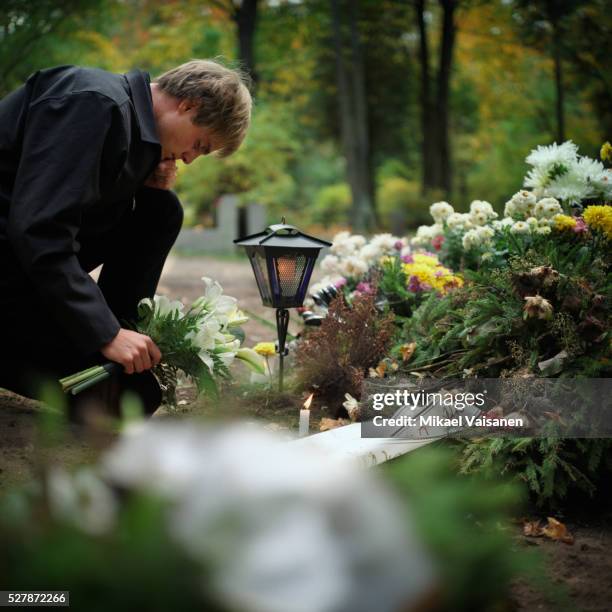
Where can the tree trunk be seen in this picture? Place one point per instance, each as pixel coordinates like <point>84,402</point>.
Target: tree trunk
<point>245,16</point>
<point>556,51</point>
<point>443,94</point>
<point>353,114</point>
<point>428,123</point>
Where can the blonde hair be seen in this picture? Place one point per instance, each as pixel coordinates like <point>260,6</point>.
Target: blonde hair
<point>221,96</point>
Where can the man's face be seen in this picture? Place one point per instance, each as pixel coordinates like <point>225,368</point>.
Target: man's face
<point>180,138</point>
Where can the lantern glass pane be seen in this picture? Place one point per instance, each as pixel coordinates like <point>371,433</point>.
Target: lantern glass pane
<point>289,271</point>
<point>260,269</point>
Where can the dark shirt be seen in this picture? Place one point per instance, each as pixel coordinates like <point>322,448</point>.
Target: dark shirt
<point>75,146</point>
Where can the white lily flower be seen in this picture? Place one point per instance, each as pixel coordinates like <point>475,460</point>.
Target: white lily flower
<point>236,318</point>
<point>213,299</point>
<point>207,335</point>
<point>162,306</point>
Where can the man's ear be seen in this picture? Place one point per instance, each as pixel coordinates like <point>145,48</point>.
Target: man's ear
<point>185,105</point>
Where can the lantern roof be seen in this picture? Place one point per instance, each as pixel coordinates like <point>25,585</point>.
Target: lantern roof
<point>282,235</point>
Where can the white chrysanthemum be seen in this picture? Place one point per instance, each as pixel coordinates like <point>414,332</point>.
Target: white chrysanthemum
<point>370,253</point>
<point>478,218</point>
<point>471,239</point>
<point>440,211</point>
<point>358,241</point>
<point>406,250</point>
<point>285,529</point>
<point>481,207</point>
<point>521,203</point>
<point>341,236</point>
<point>532,222</point>
<point>344,245</point>
<point>547,208</point>
<point>330,264</point>
<point>507,222</point>
<point>484,233</point>
<point>587,178</point>
<point>455,220</point>
<point>354,267</point>
<point>425,234</point>
<point>547,157</point>
<point>385,243</point>
<point>520,227</point>
<point>537,179</point>
<point>543,230</point>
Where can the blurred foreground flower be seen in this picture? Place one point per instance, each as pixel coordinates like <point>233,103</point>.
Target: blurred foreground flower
<point>283,529</point>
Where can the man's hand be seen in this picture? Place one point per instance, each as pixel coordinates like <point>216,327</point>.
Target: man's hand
<point>164,176</point>
<point>135,352</point>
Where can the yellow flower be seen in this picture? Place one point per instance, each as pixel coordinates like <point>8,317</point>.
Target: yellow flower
<point>437,277</point>
<point>606,152</point>
<point>599,218</point>
<point>564,222</point>
<point>266,349</point>
<point>427,260</point>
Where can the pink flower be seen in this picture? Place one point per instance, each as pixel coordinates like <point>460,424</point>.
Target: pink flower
<point>407,258</point>
<point>399,245</point>
<point>340,282</point>
<point>580,226</point>
<point>364,288</point>
<point>437,242</point>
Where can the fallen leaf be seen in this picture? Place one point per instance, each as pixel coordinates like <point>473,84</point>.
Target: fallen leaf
<point>327,424</point>
<point>532,529</point>
<point>407,350</point>
<point>556,530</point>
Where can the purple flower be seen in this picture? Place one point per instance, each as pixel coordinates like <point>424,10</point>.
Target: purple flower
<point>399,245</point>
<point>413,284</point>
<point>407,258</point>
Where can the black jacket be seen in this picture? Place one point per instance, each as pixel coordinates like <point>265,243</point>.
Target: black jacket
<point>75,145</point>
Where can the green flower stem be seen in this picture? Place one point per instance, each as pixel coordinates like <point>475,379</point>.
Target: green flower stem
<point>73,379</point>
<point>90,382</point>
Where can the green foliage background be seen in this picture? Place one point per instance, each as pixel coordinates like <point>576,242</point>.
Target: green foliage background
<point>502,92</point>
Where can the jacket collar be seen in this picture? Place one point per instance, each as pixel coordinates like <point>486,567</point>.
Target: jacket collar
<point>139,83</point>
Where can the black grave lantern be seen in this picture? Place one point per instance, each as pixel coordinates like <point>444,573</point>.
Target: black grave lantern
<point>282,259</point>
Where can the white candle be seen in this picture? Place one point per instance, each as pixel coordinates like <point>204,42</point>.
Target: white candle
<point>305,418</point>
<point>304,422</point>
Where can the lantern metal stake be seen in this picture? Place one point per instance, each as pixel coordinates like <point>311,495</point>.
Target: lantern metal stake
<point>282,259</point>
<point>282,324</point>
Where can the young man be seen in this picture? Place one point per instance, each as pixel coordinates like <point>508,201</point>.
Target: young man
<point>87,160</point>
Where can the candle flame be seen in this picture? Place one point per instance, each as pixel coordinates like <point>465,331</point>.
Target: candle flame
<point>308,402</point>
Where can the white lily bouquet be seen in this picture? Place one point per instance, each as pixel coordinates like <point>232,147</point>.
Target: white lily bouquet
<point>202,342</point>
